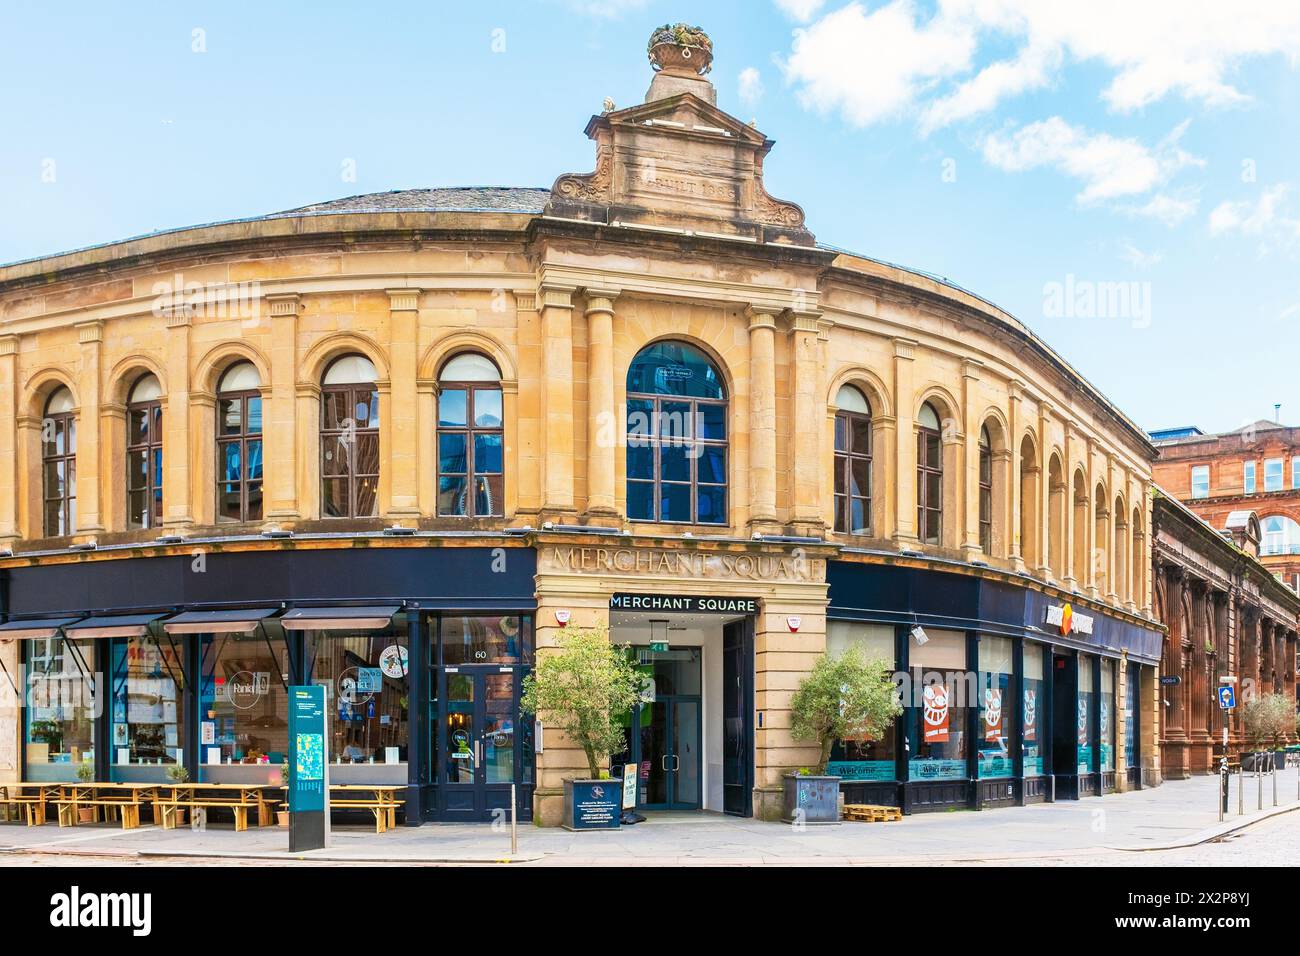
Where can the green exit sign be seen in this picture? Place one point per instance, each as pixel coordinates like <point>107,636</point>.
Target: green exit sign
<point>657,646</point>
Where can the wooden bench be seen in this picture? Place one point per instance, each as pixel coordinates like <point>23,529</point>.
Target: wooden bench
<point>385,811</point>
<point>868,813</point>
<point>240,808</point>
<point>128,809</point>
<point>34,808</point>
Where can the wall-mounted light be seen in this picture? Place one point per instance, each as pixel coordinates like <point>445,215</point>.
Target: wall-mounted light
<point>919,635</point>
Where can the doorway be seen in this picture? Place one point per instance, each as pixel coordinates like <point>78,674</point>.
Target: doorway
<point>1064,730</point>
<point>484,747</point>
<point>666,731</point>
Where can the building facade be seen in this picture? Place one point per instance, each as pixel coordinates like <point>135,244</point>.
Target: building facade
<point>397,443</point>
<point>1227,616</point>
<point>1253,469</point>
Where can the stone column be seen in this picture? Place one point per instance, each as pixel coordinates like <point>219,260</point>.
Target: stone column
<point>402,458</point>
<point>1091,573</point>
<point>1113,542</point>
<point>280,410</point>
<point>9,530</point>
<point>557,400</point>
<point>762,419</point>
<point>1074,576</point>
<point>178,515</point>
<point>1045,489</point>
<point>603,425</point>
<point>1015,547</point>
<point>90,335</point>
<point>969,488</point>
<point>905,444</point>
<point>809,391</point>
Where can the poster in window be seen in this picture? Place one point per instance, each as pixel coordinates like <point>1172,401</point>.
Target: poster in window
<point>1083,723</point>
<point>935,714</point>
<point>1031,715</point>
<point>993,714</point>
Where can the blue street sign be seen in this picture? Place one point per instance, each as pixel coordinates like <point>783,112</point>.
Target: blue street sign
<point>1227,697</point>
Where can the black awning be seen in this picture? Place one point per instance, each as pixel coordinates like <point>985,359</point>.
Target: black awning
<point>339,618</point>
<point>217,622</point>
<point>115,625</point>
<point>34,630</point>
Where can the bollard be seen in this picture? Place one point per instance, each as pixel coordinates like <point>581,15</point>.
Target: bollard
<point>1259,775</point>
<point>1223,788</point>
<point>1273,774</point>
<point>1241,787</point>
<point>514,830</point>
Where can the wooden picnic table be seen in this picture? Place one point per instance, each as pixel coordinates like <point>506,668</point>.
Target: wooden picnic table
<point>383,802</point>
<point>239,797</point>
<point>124,797</point>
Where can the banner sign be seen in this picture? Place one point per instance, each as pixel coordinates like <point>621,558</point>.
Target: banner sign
<point>992,714</point>
<point>1031,715</point>
<point>934,713</point>
<point>684,603</point>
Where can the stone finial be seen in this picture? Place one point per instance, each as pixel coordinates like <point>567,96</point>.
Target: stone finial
<point>608,105</point>
<point>680,48</point>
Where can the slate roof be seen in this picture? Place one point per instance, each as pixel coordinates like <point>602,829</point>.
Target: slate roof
<point>449,199</point>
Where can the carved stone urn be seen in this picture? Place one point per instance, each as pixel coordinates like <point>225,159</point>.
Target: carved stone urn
<point>680,49</point>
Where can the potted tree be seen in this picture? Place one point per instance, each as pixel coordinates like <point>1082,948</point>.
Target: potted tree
<point>841,698</point>
<point>178,775</point>
<point>1268,719</point>
<point>582,688</point>
<point>86,773</point>
<point>282,814</point>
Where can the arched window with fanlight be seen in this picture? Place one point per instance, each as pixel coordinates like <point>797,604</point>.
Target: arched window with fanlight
<point>239,444</point>
<point>986,491</point>
<point>59,464</point>
<point>471,438</point>
<point>144,454</point>
<point>676,437</point>
<point>349,439</point>
<point>852,462</point>
<point>929,475</point>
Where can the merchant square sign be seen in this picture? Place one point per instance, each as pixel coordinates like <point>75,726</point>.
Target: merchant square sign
<point>691,565</point>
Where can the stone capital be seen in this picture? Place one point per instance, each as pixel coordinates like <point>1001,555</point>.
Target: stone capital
<point>89,332</point>
<point>283,303</point>
<point>8,344</point>
<point>601,299</point>
<point>807,321</point>
<point>557,296</point>
<point>905,349</point>
<point>762,316</point>
<point>403,300</point>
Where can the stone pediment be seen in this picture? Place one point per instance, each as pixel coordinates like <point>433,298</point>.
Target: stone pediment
<point>679,162</point>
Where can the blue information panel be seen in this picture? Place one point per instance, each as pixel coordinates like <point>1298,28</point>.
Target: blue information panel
<point>1227,697</point>
<point>308,759</point>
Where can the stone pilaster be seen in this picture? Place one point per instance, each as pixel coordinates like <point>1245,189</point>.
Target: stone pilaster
<point>904,444</point>
<point>808,387</point>
<point>402,457</point>
<point>603,427</point>
<point>9,531</point>
<point>970,470</point>
<point>178,515</point>
<point>557,400</point>
<point>762,419</point>
<point>90,469</point>
<point>281,411</point>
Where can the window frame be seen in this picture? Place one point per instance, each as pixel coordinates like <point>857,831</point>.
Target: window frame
<point>154,435</point>
<point>1248,478</point>
<point>1281,473</point>
<point>471,431</point>
<point>353,478</point>
<point>844,460</point>
<point>657,443</point>
<point>985,491</point>
<point>928,472</point>
<point>64,423</point>
<point>242,439</point>
<point>1203,469</point>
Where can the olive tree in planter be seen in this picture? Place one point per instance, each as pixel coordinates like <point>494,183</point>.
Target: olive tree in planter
<point>582,688</point>
<point>1268,719</point>
<point>841,698</point>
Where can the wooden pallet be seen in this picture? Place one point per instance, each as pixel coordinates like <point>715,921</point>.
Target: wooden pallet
<point>866,813</point>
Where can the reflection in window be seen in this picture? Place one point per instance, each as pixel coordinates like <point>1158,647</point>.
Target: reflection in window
<point>986,492</point>
<point>487,639</point>
<point>60,711</point>
<point>676,437</point>
<point>244,700</point>
<point>1107,707</point>
<point>1032,704</point>
<point>59,465</point>
<point>1086,703</point>
<point>1200,481</point>
<point>144,454</point>
<point>349,439</point>
<point>1281,535</point>
<point>996,703</point>
<point>239,444</point>
<point>863,759</point>
<point>471,440</point>
<point>366,693</point>
<point>939,697</point>
<point>148,687</point>
<point>852,462</point>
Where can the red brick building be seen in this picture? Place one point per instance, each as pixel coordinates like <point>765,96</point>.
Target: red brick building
<point>1255,468</point>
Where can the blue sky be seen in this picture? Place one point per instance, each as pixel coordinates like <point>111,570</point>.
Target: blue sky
<point>1019,149</point>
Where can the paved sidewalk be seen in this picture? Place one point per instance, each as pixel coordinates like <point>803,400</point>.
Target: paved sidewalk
<point>1176,814</point>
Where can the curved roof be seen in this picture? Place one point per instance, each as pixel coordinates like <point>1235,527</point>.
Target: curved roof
<point>443,199</point>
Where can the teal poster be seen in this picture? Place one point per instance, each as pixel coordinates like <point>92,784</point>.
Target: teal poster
<point>307,756</point>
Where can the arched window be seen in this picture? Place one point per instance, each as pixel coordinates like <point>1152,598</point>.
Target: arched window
<point>986,492</point>
<point>471,457</point>
<point>59,464</point>
<point>1281,536</point>
<point>239,444</point>
<point>349,439</point>
<point>144,454</point>
<point>676,437</point>
<point>852,462</point>
<point>929,475</point>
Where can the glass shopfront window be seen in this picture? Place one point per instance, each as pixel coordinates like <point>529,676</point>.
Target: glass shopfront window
<point>1131,687</point>
<point>940,697</point>
<point>863,759</point>
<point>61,706</point>
<point>996,695</point>
<point>1086,703</point>
<point>244,705</point>
<point>490,639</point>
<point>1031,733</point>
<point>1107,706</point>
<point>148,700</point>
<point>367,697</point>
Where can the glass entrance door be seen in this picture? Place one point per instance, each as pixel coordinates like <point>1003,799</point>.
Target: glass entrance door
<point>481,750</point>
<point>670,765</point>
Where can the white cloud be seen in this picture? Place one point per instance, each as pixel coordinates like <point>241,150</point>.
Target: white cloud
<point>1137,258</point>
<point>1171,210</point>
<point>871,66</point>
<point>604,9</point>
<point>801,10</point>
<point>750,85</point>
<point>1109,167</point>
<point>874,66</point>
<point>1252,217</point>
